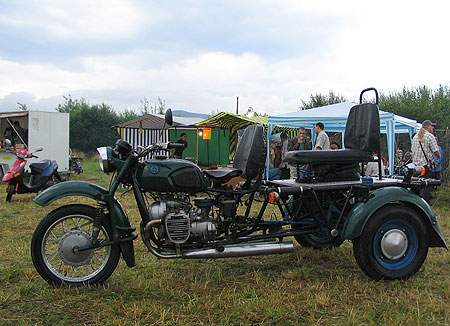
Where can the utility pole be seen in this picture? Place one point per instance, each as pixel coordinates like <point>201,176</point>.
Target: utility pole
<point>237,105</point>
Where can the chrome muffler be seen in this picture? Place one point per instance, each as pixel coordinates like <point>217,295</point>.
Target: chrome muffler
<point>241,250</point>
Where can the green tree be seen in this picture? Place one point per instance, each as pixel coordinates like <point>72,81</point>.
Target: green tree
<point>252,113</point>
<point>90,125</point>
<point>318,100</point>
<point>146,108</point>
<point>420,103</point>
<point>127,115</point>
<point>22,106</point>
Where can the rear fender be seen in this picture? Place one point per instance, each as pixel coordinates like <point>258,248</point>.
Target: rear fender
<point>50,169</point>
<point>362,211</point>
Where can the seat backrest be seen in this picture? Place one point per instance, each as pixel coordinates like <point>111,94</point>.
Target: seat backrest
<point>363,128</point>
<point>251,152</point>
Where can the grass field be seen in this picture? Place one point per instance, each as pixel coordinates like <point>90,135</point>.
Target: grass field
<point>306,287</point>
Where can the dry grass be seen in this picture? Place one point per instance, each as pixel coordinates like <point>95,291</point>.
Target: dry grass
<point>306,287</point>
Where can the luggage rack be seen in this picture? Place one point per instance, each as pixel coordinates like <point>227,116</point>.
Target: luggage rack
<point>342,185</point>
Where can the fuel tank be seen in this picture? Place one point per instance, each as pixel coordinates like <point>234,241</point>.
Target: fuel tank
<point>170,175</point>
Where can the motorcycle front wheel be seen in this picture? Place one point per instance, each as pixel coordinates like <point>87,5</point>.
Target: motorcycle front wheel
<point>54,244</point>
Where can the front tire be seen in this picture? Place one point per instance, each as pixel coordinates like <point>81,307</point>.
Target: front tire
<point>55,237</point>
<point>393,244</point>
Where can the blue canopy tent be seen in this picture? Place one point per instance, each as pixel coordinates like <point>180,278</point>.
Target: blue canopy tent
<point>334,117</point>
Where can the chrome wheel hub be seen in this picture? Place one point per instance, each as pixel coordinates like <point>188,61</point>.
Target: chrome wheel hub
<point>394,244</point>
<point>68,248</point>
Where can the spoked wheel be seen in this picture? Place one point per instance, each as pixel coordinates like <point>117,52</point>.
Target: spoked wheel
<point>393,244</point>
<point>56,240</point>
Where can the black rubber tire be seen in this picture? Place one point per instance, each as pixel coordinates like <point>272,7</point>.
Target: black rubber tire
<point>368,248</point>
<point>320,240</point>
<point>53,225</point>
<point>9,193</point>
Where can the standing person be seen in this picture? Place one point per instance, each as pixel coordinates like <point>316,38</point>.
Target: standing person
<point>179,151</point>
<point>322,140</point>
<point>423,147</point>
<point>436,173</point>
<point>298,143</point>
<point>19,134</point>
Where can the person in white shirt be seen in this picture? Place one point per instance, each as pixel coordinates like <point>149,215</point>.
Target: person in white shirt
<point>372,168</point>
<point>424,145</point>
<point>322,140</point>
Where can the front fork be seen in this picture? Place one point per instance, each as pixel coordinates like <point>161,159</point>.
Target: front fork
<point>98,222</point>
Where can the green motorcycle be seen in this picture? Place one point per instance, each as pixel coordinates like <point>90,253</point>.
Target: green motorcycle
<point>390,225</point>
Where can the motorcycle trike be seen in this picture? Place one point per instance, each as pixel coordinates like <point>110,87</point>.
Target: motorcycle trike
<point>187,213</point>
<point>43,174</point>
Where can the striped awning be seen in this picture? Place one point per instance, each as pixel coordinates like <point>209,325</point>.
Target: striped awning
<point>143,137</point>
<point>235,122</point>
<point>228,120</point>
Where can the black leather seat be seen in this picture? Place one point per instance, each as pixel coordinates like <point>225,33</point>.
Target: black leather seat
<point>39,167</point>
<point>223,173</point>
<point>361,139</point>
<point>338,155</point>
<point>250,157</point>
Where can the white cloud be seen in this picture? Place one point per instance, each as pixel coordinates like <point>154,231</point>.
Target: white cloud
<point>343,46</point>
<point>78,19</point>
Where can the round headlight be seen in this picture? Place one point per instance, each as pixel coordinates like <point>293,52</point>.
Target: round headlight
<point>103,159</point>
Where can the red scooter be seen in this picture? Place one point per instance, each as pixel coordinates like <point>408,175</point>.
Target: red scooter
<point>43,174</point>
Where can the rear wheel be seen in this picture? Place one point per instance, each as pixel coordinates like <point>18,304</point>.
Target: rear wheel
<point>393,244</point>
<point>54,244</point>
<point>319,240</point>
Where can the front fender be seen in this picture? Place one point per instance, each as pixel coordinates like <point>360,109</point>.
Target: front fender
<point>119,218</point>
<point>361,212</point>
<point>70,188</point>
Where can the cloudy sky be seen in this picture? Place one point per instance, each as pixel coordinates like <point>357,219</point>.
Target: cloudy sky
<point>199,55</point>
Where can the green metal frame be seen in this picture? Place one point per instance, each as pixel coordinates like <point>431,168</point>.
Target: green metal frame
<point>362,211</point>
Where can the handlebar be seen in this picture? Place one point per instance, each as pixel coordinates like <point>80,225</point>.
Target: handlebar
<point>175,145</point>
<point>159,147</point>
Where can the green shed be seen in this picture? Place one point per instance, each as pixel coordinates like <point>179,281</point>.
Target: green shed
<point>214,151</point>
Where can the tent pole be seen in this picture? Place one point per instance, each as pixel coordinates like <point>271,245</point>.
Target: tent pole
<point>196,150</point>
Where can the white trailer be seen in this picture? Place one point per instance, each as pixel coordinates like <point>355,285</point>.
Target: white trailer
<point>49,130</point>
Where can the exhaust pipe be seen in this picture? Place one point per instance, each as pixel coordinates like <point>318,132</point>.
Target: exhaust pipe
<point>233,250</point>
<point>242,250</point>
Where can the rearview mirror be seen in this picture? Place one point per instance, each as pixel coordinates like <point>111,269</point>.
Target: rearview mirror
<point>168,117</point>
<point>39,149</point>
<point>7,142</point>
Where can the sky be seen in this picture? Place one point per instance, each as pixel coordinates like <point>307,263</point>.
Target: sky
<point>200,55</point>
